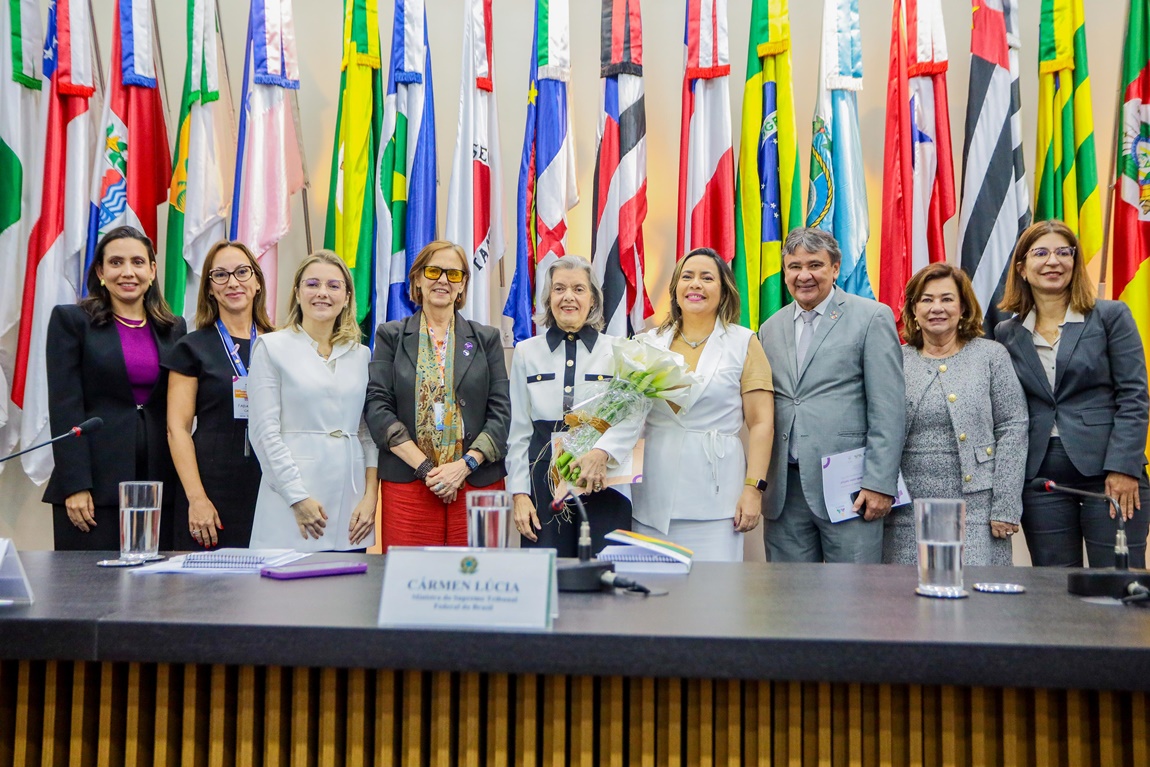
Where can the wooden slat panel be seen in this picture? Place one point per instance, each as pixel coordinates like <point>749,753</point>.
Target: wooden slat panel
<point>728,723</point>
<point>1017,728</point>
<point>1110,715</point>
<point>470,720</point>
<point>583,724</point>
<point>411,737</point>
<point>644,723</point>
<point>914,704</point>
<point>950,723</point>
<point>854,723</point>
<point>357,732</point>
<point>221,717</point>
<point>441,746</point>
<point>528,716</point>
<point>113,708</point>
<point>794,712</point>
<point>277,724</point>
<point>196,716</point>
<point>85,720</point>
<point>554,720</point>
<point>499,745</point>
<point>1140,729</point>
<point>249,725</point>
<point>886,714</point>
<point>332,712</point>
<point>388,738</point>
<point>612,733</point>
<point>669,743</point>
<point>824,721</point>
<point>1078,731</point>
<point>24,698</point>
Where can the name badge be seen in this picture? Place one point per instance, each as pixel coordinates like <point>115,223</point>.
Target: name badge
<point>240,398</point>
<point>440,411</point>
<point>468,587</point>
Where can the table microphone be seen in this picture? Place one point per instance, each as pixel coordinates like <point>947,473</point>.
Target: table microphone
<point>91,426</point>
<point>1120,581</point>
<point>584,573</point>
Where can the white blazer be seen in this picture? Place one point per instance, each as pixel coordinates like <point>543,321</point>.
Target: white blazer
<point>693,463</point>
<point>307,429</point>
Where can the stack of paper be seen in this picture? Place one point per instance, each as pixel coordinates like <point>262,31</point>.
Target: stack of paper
<point>643,554</point>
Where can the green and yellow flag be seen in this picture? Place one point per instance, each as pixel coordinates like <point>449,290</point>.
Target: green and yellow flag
<point>351,202</point>
<point>1067,167</point>
<point>768,203</point>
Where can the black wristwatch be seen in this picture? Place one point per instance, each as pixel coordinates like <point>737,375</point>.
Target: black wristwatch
<point>758,484</point>
<point>469,459</point>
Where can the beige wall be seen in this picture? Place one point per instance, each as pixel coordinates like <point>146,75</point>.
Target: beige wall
<point>318,25</point>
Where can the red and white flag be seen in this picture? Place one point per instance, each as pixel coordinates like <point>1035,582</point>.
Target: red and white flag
<point>59,236</point>
<point>706,159</point>
<point>134,169</point>
<point>918,164</point>
<point>475,197</point>
<point>617,253</point>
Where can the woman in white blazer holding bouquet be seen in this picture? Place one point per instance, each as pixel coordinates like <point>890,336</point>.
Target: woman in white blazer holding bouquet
<point>307,388</point>
<point>700,489</point>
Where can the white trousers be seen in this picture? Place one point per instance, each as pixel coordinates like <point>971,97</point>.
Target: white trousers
<point>712,540</point>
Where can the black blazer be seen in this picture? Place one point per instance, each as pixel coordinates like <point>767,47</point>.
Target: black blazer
<point>87,378</point>
<point>1099,401</point>
<point>481,392</point>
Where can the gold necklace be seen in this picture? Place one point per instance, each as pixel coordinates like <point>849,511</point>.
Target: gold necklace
<point>128,323</point>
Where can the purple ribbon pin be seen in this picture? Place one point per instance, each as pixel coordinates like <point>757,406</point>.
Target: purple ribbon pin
<point>467,347</point>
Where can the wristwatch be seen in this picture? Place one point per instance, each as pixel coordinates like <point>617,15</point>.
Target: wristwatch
<point>758,484</point>
<point>472,464</point>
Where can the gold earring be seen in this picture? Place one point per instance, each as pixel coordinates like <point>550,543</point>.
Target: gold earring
<point>101,282</point>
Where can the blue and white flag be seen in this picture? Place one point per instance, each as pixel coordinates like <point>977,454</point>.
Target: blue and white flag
<point>406,173</point>
<point>837,201</point>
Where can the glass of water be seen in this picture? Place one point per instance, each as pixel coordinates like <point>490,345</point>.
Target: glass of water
<point>940,527</point>
<point>488,514</point>
<point>140,520</point>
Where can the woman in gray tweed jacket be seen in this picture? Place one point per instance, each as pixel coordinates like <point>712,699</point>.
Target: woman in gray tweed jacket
<point>966,419</point>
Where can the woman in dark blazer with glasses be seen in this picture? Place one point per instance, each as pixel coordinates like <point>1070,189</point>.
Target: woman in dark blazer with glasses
<point>438,406</point>
<point>105,360</point>
<point>1081,364</point>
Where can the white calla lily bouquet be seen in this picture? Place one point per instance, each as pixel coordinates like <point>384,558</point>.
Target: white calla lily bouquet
<point>643,372</point>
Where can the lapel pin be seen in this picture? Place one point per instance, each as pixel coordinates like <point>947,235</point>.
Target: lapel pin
<point>467,347</point>
<point>834,314</point>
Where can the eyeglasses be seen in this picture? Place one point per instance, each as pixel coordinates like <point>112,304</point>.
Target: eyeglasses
<point>432,273</point>
<point>335,286</point>
<point>241,273</point>
<point>1064,253</point>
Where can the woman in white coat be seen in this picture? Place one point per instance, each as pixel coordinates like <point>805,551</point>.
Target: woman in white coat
<point>307,387</point>
<point>700,489</point>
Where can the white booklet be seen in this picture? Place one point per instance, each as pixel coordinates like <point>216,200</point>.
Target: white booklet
<point>644,554</point>
<point>842,475</point>
<point>224,561</point>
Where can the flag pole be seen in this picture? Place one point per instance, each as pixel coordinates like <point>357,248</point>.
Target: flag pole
<point>1112,184</point>
<point>231,102</point>
<point>160,64</point>
<point>303,163</point>
<point>96,49</point>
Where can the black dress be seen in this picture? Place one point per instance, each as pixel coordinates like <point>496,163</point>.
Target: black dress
<point>230,478</point>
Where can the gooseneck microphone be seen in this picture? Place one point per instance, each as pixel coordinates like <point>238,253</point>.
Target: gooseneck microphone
<point>1120,582</point>
<point>584,573</point>
<point>91,426</point>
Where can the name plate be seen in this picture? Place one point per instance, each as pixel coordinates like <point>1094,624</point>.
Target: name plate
<point>465,587</point>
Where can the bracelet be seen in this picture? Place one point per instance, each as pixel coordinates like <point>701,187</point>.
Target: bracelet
<point>424,469</point>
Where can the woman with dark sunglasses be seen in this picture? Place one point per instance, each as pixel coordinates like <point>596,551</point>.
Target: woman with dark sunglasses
<point>438,406</point>
<point>207,385</point>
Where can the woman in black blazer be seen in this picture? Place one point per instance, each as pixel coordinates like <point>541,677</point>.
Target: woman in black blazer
<point>104,361</point>
<point>438,406</point>
<point>1081,363</point>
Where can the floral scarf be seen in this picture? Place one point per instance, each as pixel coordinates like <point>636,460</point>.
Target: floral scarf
<point>435,383</point>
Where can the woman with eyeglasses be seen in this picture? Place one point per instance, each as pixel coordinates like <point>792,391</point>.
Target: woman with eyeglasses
<point>438,406</point>
<point>105,360</point>
<point>207,386</point>
<point>1080,361</point>
<point>306,392</point>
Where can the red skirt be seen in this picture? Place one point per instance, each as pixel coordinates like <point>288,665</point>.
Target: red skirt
<point>412,515</point>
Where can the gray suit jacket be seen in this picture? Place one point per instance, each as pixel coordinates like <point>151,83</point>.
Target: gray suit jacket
<point>1099,398</point>
<point>849,394</point>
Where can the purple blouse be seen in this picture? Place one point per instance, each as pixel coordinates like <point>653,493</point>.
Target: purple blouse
<point>141,358</point>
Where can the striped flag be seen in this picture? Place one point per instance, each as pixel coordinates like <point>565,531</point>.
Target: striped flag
<point>405,195</point>
<point>1066,168</point>
<point>706,160</point>
<point>269,163</point>
<point>351,207</point>
<point>134,167</point>
<point>59,236</point>
<point>547,187</point>
<point>768,189</point>
<point>21,49</point>
<point>838,201</point>
<point>1131,261</point>
<point>475,197</point>
<point>918,167</point>
<point>620,198</point>
<point>995,196</point>
<point>200,195</point>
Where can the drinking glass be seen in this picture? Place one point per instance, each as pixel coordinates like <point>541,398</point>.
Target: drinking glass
<point>488,513</point>
<point>140,520</point>
<point>940,527</point>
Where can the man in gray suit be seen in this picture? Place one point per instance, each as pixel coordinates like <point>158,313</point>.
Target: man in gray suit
<point>839,386</point>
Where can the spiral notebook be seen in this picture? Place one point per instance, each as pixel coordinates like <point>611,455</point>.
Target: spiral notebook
<point>644,554</point>
<point>239,559</point>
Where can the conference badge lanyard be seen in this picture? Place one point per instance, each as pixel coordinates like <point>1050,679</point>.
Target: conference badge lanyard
<point>239,380</point>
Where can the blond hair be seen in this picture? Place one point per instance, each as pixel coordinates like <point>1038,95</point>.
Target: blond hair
<point>345,329</point>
